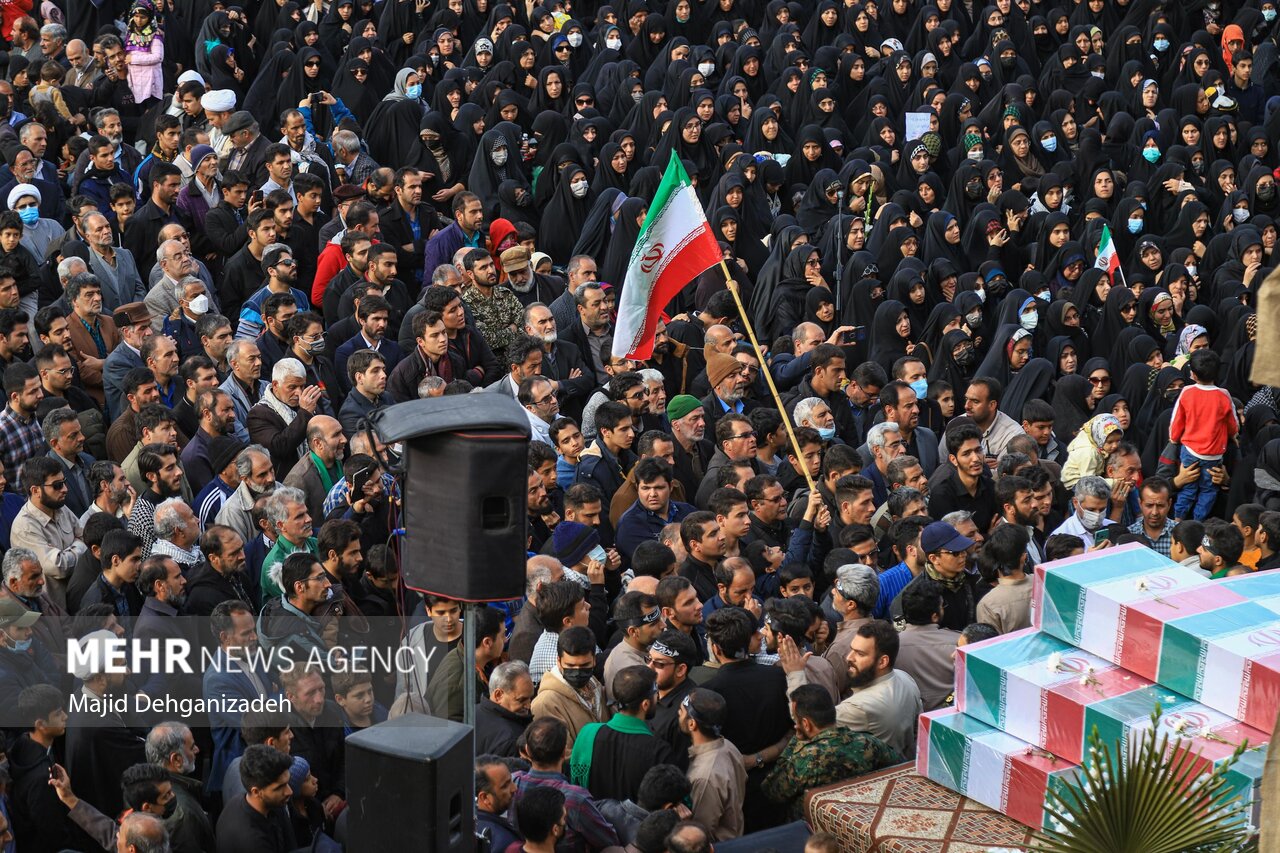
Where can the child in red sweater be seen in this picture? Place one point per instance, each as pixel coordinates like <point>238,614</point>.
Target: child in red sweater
<point>1204,420</point>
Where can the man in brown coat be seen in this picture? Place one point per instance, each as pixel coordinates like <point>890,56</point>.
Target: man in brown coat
<point>84,292</point>
<point>570,691</point>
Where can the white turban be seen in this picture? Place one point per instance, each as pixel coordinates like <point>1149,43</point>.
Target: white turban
<point>23,189</point>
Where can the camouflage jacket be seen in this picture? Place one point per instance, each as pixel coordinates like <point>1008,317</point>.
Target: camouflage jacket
<point>495,315</point>
<point>833,755</point>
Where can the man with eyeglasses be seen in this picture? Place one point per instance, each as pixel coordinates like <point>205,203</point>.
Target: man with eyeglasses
<point>735,442</point>
<point>281,272</point>
<point>728,381</point>
<point>538,398</point>
<point>884,440</point>
<point>45,524</point>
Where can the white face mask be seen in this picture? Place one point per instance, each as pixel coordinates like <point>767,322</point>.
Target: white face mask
<point>706,68</point>
<point>578,188</point>
<point>982,293</point>
<point>1029,321</point>
<point>1092,518</point>
<point>613,44</point>
<point>1240,214</point>
<point>499,157</point>
<point>199,305</point>
<point>575,39</point>
<point>1191,269</point>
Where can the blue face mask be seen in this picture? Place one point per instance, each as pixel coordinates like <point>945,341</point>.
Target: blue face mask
<point>1268,15</point>
<point>921,387</point>
<point>29,215</point>
<point>1135,226</point>
<point>1161,45</point>
<point>827,433</point>
<point>413,92</point>
<point>1050,144</point>
<point>1151,154</point>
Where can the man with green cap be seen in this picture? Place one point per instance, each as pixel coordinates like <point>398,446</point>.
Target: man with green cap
<point>692,452</point>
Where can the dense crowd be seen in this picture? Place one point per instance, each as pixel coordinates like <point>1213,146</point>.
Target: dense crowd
<point>1004,261</point>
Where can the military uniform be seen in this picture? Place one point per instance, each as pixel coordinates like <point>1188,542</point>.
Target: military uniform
<point>833,755</point>
<point>495,315</point>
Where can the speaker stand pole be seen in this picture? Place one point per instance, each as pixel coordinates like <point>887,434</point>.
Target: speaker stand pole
<point>469,650</point>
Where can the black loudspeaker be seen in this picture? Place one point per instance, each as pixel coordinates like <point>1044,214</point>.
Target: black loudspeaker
<point>411,786</point>
<point>465,458</point>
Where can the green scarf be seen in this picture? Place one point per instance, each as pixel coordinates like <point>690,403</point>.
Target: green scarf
<point>584,745</point>
<point>326,477</point>
<point>951,584</point>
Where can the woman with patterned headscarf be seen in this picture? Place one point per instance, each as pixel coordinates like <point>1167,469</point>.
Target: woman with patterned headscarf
<point>1087,454</point>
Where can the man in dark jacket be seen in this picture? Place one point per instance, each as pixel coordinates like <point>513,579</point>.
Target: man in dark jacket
<point>23,664</point>
<point>503,715</point>
<point>224,224</point>
<point>432,357</point>
<point>827,372</point>
<point>37,815</point>
<point>288,397</point>
<point>607,461</point>
<point>407,224</point>
<point>143,227</point>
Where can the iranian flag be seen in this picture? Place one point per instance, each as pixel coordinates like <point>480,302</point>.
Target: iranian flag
<point>674,247</point>
<point>1107,259</point>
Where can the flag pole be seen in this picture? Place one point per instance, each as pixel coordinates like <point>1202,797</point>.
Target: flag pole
<point>768,377</point>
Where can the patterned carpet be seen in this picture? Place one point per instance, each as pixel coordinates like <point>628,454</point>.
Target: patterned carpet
<point>898,811</point>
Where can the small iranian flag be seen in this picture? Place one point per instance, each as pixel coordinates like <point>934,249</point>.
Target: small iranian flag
<point>675,246</point>
<point>1107,259</point>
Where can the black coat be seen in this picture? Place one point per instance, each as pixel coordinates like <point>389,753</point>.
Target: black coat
<point>322,745</point>
<point>99,749</point>
<point>225,229</point>
<point>39,817</point>
<point>498,729</point>
<point>142,232</point>
<point>397,231</point>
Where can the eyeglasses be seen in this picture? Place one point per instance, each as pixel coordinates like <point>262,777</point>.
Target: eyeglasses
<point>312,64</point>
<point>286,262</point>
<point>660,664</point>
<point>56,485</point>
<point>323,578</point>
<point>544,400</point>
<point>813,262</point>
<point>742,435</point>
<point>1099,380</point>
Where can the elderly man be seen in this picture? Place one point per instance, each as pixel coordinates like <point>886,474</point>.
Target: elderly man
<point>291,523</point>
<point>134,323</point>
<point>83,70</point>
<point>94,335</point>
<point>257,479</point>
<point>24,581</point>
<point>45,526</point>
<point>317,471</point>
<point>279,420</point>
<point>177,531</point>
<point>244,384</point>
<point>562,361</point>
<point>175,263</point>
<point>115,267</point>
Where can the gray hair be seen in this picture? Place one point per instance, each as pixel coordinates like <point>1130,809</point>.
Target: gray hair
<point>505,675</point>
<point>957,518</point>
<point>346,141</point>
<point>101,116</point>
<point>233,350</point>
<point>145,833</point>
<point>56,31</point>
<point>160,249</point>
<point>860,584</point>
<point>286,368</point>
<point>167,521</point>
<point>442,272</point>
<point>164,740</point>
<point>244,461</point>
<point>14,559</point>
<point>804,409</point>
<point>537,571</point>
<point>1092,487</point>
<point>52,424</point>
<point>896,471</point>
<point>648,374</point>
<point>277,507</point>
<point>28,128</point>
<point>66,265</point>
<point>876,436</point>
<point>429,384</point>
<point>900,498</point>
